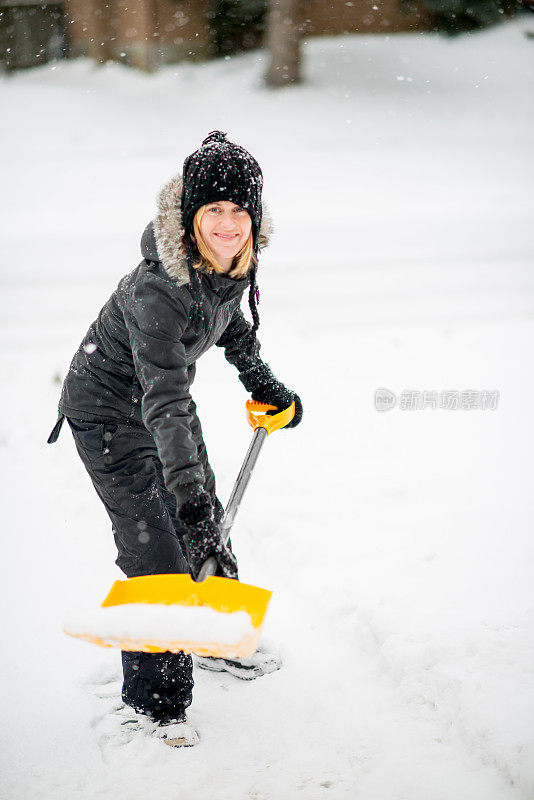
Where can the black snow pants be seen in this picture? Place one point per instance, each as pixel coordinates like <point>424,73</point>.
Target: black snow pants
<point>123,463</point>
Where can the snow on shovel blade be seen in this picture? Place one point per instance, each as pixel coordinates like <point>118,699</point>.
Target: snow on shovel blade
<point>160,613</point>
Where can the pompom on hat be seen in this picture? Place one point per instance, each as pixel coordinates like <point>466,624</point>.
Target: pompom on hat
<point>221,170</point>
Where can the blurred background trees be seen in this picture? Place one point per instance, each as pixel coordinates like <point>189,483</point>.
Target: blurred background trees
<point>149,33</point>
<point>238,25</point>
<point>458,16</point>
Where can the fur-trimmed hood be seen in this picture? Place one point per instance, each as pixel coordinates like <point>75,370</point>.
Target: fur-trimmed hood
<point>162,239</point>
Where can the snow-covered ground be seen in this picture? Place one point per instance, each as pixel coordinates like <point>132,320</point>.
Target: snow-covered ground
<point>399,545</point>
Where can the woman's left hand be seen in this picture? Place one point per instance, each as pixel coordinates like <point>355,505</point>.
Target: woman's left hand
<point>276,394</point>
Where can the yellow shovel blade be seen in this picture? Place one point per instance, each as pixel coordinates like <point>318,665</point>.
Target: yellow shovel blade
<point>217,617</point>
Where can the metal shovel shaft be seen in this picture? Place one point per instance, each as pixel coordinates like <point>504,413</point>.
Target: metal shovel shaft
<point>260,434</point>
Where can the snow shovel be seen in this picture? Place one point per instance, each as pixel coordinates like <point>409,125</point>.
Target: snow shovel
<point>212,616</point>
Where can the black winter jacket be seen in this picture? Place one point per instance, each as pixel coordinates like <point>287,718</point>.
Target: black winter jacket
<point>137,360</point>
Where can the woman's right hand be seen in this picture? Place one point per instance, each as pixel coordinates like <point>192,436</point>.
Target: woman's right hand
<point>203,538</point>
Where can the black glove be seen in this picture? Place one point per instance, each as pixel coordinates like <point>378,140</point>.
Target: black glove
<point>203,538</point>
<point>276,394</point>
<point>260,381</point>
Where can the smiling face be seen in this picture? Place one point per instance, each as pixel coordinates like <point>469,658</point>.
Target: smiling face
<point>225,228</point>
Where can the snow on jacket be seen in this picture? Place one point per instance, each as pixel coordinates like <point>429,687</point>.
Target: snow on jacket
<point>137,360</point>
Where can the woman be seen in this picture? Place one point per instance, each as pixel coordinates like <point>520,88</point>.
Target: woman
<point>127,395</point>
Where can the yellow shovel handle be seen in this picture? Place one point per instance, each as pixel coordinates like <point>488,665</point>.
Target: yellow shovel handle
<point>263,425</point>
<point>259,418</point>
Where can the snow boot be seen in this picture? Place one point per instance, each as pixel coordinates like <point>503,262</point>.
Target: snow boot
<point>246,669</point>
<point>178,733</point>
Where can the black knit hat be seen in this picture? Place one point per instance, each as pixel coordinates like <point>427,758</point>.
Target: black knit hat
<point>222,170</point>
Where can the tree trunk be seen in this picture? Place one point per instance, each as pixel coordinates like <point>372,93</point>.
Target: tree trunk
<point>283,42</point>
<point>97,19</point>
<point>143,46</point>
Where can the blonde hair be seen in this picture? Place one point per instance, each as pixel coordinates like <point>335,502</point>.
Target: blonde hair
<point>242,260</point>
